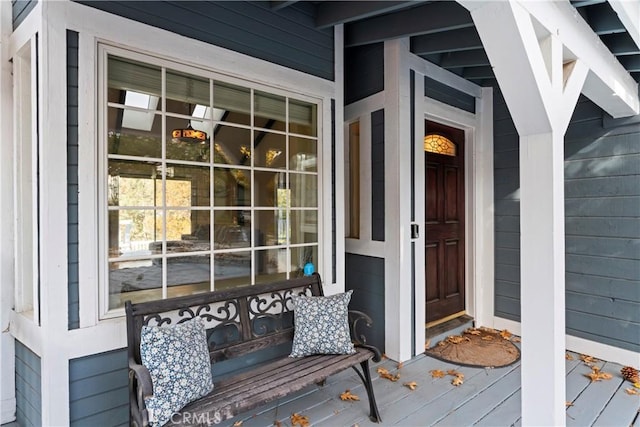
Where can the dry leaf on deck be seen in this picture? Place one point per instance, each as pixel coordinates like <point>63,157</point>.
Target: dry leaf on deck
<point>457,381</point>
<point>436,373</point>
<point>442,343</point>
<point>427,344</point>
<point>386,374</point>
<point>596,375</point>
<point>400,365</point>
<point>568,356</point>
<point>515,339</point>
<point>588,359</point>
<point>487,338</point>
<point>412,385</point>
<point>455,373</point>
<point>567,404</point>
<point>456,339</point>
<point>347,395</point>
<point>631,391</point>
<point>472,331</point>
<point>300,420</point>
<point>277,423</point>
<point>636,385</point>
<point>505,334</point>
<point>237,424</point>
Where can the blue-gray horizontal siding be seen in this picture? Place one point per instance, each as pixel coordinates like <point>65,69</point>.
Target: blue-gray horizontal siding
<point>448,95</point>
<point>72,178</point>
<point>20,9</point>
<point>363,71</point>
<point>98,390</point>
<point>602,228</point>
<point>286,37</point>
<point>365,275</point>
<point>377,176</point>
<point>602,225</point>
<point>507,212</point>
<point>28,387</point>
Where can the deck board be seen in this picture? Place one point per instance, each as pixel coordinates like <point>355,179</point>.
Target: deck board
<point>487,398</point>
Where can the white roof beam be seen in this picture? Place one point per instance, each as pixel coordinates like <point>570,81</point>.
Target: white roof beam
<point>629,14</point>
<point>608,84</point>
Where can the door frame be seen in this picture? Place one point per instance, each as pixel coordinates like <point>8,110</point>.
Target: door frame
<point>479,209</point>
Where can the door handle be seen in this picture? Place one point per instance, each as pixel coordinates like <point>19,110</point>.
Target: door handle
<point>415,231</point>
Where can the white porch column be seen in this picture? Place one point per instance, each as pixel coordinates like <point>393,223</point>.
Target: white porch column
<point>542,290</point>
<point>7,358</point>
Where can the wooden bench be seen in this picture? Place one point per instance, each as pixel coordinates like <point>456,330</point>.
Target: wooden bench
<point>241,322</point>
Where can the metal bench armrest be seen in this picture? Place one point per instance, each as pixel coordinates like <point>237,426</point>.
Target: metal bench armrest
<point>357,318</point>
<point>140,387</point>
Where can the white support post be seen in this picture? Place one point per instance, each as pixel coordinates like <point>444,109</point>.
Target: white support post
<point>397,148</point>
<point>542,278</point>
<point>7,343</point>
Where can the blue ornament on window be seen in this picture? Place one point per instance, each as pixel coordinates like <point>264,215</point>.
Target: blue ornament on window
<point>309,269</point>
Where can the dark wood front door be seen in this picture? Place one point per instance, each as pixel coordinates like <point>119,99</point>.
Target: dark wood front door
<point>444,214</point>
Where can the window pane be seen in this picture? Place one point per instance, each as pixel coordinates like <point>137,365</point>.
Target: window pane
<point>188,185</point>
<point>188,139</point>
<point>302,255</point>
<point>231,103</point>
<point>231,187</point>
<point>302,153</point>
<point>270,111</point>
<point>270,227</point>
<point>129,75</point>
<point>140,136</point>
<point>304,190</point>
<point>134,232</point>
<point>232,145</point>
<point>132,183</point>
<point>270,150</point>
<point>271,265</point>
<point>302,118</point>
<point>139,280</point>
<point>232,229</point>
<point>304,226</point>
<point>188,275</point>
<point>270,188</point>
<point>185,92</point>
<point>232,269</point>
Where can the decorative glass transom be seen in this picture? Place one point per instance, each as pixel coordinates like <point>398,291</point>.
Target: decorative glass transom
<point>439,144</point>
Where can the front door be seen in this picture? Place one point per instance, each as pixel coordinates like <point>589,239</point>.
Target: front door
<point>444,215</point>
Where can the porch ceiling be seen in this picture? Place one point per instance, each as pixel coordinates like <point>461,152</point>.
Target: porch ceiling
<point>451,40</point>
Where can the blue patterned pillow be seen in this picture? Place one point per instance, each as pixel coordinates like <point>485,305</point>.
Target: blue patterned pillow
<point>321,325</point>
<point>177,358</point>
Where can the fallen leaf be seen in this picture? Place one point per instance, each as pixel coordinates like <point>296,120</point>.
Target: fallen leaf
<point>487,338</point>
<point>596,375</point>
<point>400,365</point>
<point>386,374</point>
<point>455,373</point>
<point>277,423</point>
<point>588,359</point>
<point>567,404</point>
<point>516,339</point>
<point>636,385</point>
<point>436,373</point>
<point>442,343</point>
<point>427,344</point>
<point>456,339</point>
<point>457,381</point>
<point>412,385</point>
<point>472,331</point>
<point>568,356</point>
<point>347,395</point>
<point>505,334</point>
<point>631,391</point>
<point>300,420</point>
<point>237,424</point>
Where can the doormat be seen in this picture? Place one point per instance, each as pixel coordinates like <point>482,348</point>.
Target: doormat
<point>482,347</point>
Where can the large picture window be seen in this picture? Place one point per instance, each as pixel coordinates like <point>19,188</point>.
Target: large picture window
<point>206,184</point>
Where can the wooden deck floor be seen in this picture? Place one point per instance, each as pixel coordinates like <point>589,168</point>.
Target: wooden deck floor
<point>488,397</point>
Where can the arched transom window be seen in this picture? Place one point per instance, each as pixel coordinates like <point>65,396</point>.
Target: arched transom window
<point>439,144</point>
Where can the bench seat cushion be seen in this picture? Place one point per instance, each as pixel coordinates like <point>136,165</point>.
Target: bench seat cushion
<point>263,384</point>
